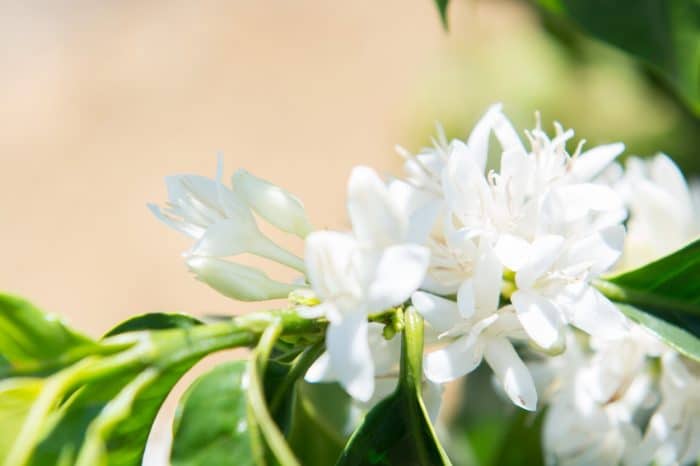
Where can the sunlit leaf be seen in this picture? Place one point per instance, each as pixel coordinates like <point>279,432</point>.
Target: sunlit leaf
<point>34,342</point>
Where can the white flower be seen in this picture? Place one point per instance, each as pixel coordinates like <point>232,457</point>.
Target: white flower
<point>594,400</point>
<point>355,274</point>
<point>663,212</point>
<point>222,225</point>
<point>553,287</point>
<point>673,435</point>
<point>478,330</point>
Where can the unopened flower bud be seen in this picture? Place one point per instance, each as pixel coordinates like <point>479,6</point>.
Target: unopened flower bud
<point>237,281</point>
<point>276,205</point>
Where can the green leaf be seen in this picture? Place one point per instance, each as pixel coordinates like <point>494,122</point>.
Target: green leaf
<point>397,431</point>
<point>16,399</point>
<point>154,321</point>
<point>681,340</point>
<point>442,9</point>
<point>323,412</point>
<point>34,342</point>
<point>211,428</point>
<point>107,423</point>
<point>663,33</point>
<point>663,296</point>
<point>226,421</point>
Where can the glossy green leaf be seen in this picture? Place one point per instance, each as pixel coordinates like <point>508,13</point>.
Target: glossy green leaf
<point>397,431</point>
<point>34,342</point>
<point>235,414</point>
<point>664,296</point>
<point>663,33</point>
<point>676,337</point>
<point>107,423</point>
<point>323,412</point>
<point>211,427</point>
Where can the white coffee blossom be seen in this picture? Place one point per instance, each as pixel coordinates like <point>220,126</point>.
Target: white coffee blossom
<point>595,396</point>
<point>549,230</point>
<point>354,274</point>
<point>664,210</point>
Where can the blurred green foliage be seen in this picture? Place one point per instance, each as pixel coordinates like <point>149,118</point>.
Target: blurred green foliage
<point>534,58</point>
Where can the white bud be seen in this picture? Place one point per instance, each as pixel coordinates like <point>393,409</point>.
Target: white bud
<point>237,281</point>
<point>276,205</point>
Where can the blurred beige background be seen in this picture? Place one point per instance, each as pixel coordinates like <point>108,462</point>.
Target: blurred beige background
<point>102,99</point>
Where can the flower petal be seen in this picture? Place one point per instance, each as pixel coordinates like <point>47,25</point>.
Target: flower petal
<point>329,257</point>
<point>488,274</point>
<point>442,314</point>
<point>375,218</point>
<point>478,141</point>
<point>543,253</point>
<point>399,273</point>
<point>596,315</point>
<point>512,251</point>
<point>539,317</point>
<point>321,370</point>
<point>590,163</point>
<point>453,361</point>
<point>465,299</point>
<point>602,248</point>
<point>511,372</point>
<point>350,356</point>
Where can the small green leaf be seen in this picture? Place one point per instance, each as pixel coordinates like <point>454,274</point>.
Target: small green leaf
<point>663,33</point>
<point>442,9</point>
<point>397,431</point>
<point>154,321</point>
<point>211,428</point>
<point>34,342</point>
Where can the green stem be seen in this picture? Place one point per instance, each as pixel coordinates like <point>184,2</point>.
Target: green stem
<point>299,367</point>
<point>256,398</point>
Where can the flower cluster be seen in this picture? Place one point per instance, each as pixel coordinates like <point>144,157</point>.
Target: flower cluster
<point>494,260</point>
<point>632,400</point>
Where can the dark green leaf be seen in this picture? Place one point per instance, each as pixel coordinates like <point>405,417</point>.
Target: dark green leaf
<point>681,340</point>
<point>663,33</point>
<point>397,431</point>
<point>442,9</point>
<point>211,428</point>
<point>665,295</point>
<point>154,321</point>
<point>325,413</point>
<point>34,342</point>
